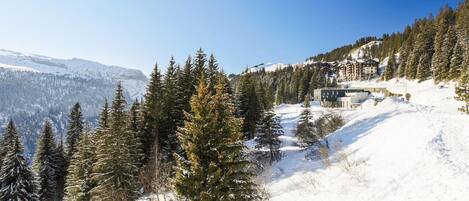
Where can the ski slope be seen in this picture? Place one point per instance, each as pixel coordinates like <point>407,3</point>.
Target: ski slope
<point>392,151</point>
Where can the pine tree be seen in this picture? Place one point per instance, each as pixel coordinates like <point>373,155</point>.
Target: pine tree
<point>16,179</point>
<point>45,166</point>
<point>136,127</point>
<point>186,84</point>
<point>152,115</point>
<point>103,123</point>
<point>200,61</point>
<point>462,25</point>
<point>268,132</point>
<point>389,71</point>
<point>61,164</point>
<point>456,62</point>
<point>414,50</point>
<point>448,47</point>
<point>75,127</point>
<point>462,90</point>
<point>443,21</point>
<point>215,168</point>
<point>425,47</point>
<point>304,130</point>
<point>404,53</point>
<point>6,140</point>
<point>116,163</point>
<point>213,73</point>
<point>79,178</point>
<point>171,113</point>
<point>249,107</point>
<point>313,83</point>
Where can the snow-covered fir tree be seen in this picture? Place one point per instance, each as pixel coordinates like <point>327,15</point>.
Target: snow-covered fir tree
<point>75,128</point>
<point>16,178</point>
<point>215,168</point>
<point>61,163</point>
<point>45,164</point>
<point>79,178</point>
<point>171,115</point>
<point>136,127</point>
<point>249,108</point>
<point>462,90</point>
<point>116,168</point>
<point>267,136</point>
<point>305,129</point>
<point>389,72</point>
<point>152,109</point>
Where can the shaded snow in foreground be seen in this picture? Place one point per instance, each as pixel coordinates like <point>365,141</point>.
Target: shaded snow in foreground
<point>398,150</point>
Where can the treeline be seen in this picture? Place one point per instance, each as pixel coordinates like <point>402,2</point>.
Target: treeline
<point>287,85</point>
<point>185,137</point>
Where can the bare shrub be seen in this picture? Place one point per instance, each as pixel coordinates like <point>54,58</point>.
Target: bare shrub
<point>350,165</point>
<point>155,178</point>
<point>324,153</point>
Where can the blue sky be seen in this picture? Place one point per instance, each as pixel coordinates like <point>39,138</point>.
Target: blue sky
<point>241,33</point>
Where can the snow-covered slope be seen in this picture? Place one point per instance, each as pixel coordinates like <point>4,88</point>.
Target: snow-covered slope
<point>360,53</point>
<point>395,150</point>
<point>133,80</point>
<point>268,67</point>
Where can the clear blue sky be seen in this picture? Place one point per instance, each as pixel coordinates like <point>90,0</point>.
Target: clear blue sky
<point>240,33</point>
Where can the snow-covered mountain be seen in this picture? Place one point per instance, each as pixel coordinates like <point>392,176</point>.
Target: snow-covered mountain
<point>134,81</point>
<point>34,88</point>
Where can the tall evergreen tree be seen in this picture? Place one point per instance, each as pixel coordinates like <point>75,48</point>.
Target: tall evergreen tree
<point>448,47</point>
<point>116,160</point>
<point>75,127</point>
<point>6,140</point>
<point>404,53</point>
<point>425,47</point>
<point>16,179</point>
<point>200,61</point>
<point>462,90</point>
<point>171,113</point>
<point>103,123</point>
<point>268,132</point>
<point>462,24</point>
<point>215,168</point>
<point>79,178</point>
<point>186,84</point>
<point>61,164</point>
<point>304,129</point>
<point>249,107</point>
<point>414,50</point>
<point>456,62</point>
<point>442,23</point>
<point>45,164</point>
<point>390,68</point>
<point>152,114</point>
<point>136,128</point>
<point>213,73</point>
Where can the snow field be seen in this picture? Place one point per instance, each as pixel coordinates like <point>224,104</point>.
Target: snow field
<point>396,150</point>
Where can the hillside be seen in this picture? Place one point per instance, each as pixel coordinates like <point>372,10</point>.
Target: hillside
<point>34,88</point>
<point>394,150</point>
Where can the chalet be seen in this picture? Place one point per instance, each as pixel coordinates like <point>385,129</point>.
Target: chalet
<point>358,70</point>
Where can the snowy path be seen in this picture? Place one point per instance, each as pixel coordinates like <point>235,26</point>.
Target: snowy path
<point>400,151</point>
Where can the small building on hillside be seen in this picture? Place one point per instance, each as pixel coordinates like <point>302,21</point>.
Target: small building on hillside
<point>334,97</point>
<point>358,70</point>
